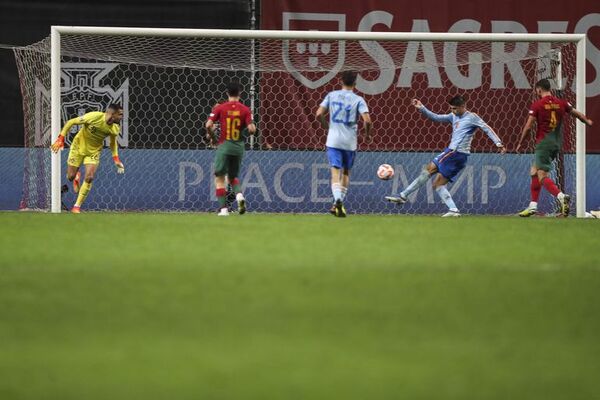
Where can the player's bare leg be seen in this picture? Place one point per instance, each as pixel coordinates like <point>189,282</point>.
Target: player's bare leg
<point>74,176</point>
<point>439,184</point>
<point>431,168</point>
<point>221,195</point>
<point>90,173</point>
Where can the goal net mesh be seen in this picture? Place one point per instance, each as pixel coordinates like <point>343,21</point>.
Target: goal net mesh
<point>169,85</point>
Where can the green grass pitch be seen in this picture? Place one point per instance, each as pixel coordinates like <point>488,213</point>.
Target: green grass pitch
<point>192,306</point>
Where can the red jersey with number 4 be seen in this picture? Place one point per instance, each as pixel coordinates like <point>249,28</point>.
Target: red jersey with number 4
<point>233,117</point>
<point>549,112</point>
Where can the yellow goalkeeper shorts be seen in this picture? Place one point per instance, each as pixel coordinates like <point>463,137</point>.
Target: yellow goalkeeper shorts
<point>78,157</point>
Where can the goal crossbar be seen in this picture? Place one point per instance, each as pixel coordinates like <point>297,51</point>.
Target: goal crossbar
<point>320,35</point>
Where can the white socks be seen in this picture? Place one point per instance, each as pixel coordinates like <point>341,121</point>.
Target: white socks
<point>344,191</point>
<point>417,183</point>
<point>339,191</point>
<point>444,194</point>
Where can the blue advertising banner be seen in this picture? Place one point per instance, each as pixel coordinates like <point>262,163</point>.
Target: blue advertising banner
<point>297,181</point>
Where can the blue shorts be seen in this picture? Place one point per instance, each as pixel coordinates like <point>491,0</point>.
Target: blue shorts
<point>450,162</point>
<point>340,158</point>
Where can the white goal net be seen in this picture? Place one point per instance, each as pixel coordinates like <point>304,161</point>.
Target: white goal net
<point>168,83</point>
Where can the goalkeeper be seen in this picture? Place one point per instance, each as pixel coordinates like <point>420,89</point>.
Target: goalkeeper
<point>87,146</point>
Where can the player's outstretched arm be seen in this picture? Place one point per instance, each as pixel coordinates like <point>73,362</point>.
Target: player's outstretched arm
<point>417,104</point>
<point>495,138</point>
<point>59,144</point>
<point>525,130</point>
<point>429,114</point>
<point>321,112</point>
<point>114,148</point>
<point>582,117</point>
<point>119,165</point>
<point>210,132</point>
<point>479,122</point>
<point>368,124</point>
<point>251,128</point>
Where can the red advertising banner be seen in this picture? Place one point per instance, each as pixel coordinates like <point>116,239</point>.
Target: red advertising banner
<point>500,93</point>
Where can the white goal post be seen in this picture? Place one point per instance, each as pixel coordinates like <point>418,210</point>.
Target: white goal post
<point>57,32</point>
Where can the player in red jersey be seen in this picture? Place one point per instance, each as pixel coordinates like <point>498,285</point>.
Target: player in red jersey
<point>548,112</point>
<point>233,117</point>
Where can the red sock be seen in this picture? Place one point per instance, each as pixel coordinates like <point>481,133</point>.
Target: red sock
<point>550,186</point>
<point>221,193</point>
<point>235,185</point>
<point>536,188</point>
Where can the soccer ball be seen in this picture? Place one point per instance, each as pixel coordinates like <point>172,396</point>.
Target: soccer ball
<point>385,172</point>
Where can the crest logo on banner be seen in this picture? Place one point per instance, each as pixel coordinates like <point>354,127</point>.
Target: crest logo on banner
<point>82,92</point>
<point>314,63</point>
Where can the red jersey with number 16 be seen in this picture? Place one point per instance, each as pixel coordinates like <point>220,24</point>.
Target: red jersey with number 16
<point>233,117</point>
<point>549,112</point>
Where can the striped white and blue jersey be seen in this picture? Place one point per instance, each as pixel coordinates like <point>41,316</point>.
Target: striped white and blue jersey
<point>463,128</point>
<point>344,107</point>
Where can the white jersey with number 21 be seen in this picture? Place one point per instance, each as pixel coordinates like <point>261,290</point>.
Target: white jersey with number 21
<point>344,107</point>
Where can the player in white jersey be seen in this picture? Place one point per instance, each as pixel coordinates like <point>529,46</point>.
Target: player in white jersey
<point>453,159</point>
<point>344,107</point>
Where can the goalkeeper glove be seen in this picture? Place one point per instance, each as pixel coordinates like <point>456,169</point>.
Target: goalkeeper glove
<point>119,165</point>
<point>59,144</point>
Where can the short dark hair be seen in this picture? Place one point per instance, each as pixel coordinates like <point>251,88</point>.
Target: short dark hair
<point>457,101</point>
<point>234,89</point>
<point>114,107</point>
<point>349,78</point>
<point>543,84</point>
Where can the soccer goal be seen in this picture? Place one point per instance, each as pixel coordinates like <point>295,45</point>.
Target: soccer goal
<point>167,81</point>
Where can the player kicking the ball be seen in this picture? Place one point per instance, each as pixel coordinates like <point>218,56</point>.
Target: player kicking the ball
<point>233,117</point>
<point>87,146</point>
<point>453,159</point>
<point>344,107</point>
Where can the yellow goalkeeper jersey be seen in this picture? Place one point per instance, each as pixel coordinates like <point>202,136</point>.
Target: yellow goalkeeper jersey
<point>93,131</point>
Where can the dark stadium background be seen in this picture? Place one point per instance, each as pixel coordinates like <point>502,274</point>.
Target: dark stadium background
<point>24,22</point>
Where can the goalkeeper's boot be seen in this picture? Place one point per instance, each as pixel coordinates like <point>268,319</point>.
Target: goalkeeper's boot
<point>76,182</point>
<point>76,209</point>
<point>241,203</point>
<point>528,212</point>
<point>565,205</point>
<point>340,211</point>
<point>398,200</point>
<point>451,213</point>
<point>223,212</point>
